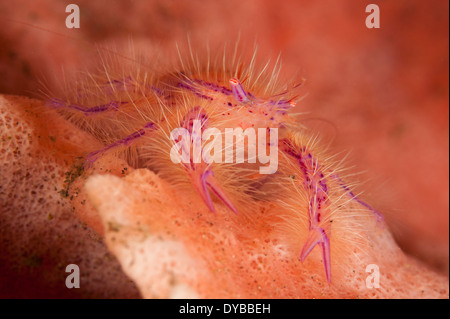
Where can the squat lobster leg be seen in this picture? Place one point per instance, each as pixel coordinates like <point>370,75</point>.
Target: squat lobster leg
<point>352,195</point>
<point>60,104</point>
<point>125,142</point>
<point>200,173</point>
<point>315,185</point>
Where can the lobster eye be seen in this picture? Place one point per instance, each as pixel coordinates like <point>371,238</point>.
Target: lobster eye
<point>238,91</point>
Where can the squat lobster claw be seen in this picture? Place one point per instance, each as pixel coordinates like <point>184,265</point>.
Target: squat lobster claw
<point>206,180</point>
<point>318,236</point>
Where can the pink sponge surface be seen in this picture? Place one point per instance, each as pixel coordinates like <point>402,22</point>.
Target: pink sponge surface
<point>132,234</point>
